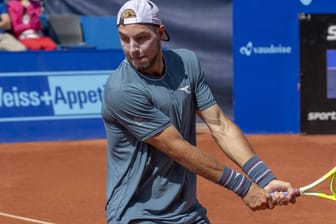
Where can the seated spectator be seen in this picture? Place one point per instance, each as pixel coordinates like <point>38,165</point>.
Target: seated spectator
<point>7,41</point>
<point>26,24</point>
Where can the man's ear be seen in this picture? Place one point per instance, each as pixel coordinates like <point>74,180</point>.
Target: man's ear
<point>162,32</point>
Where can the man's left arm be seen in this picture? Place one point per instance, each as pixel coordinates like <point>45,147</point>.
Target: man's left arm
<point>227,135</point>
<point>235,145</point>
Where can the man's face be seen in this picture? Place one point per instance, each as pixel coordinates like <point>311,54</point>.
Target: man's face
<point>141,45</point>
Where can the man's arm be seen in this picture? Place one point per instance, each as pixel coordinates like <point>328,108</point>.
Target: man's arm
<point>227,135</point>
<point>170,142</point>
<point>234,144</point>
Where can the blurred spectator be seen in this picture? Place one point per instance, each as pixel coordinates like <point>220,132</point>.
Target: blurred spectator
<point>26,24</point>
<point>7,41</point>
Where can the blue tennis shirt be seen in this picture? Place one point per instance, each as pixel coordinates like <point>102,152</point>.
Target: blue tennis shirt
<point>143,184</point>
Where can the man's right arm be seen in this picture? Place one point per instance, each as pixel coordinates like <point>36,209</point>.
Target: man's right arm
<point>170,142</point>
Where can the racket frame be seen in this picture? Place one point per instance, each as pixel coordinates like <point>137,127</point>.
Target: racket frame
<point>306,190</point>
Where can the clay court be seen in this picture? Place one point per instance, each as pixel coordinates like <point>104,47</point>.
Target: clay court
<point>64,182</point>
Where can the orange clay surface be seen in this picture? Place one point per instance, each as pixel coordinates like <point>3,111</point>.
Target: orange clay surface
<point>64,182</point>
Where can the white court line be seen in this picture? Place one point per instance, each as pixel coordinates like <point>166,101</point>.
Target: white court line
<point>24,218</point>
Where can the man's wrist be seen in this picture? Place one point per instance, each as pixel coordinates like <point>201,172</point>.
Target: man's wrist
<point>235,181</point>
<point>258,171</point>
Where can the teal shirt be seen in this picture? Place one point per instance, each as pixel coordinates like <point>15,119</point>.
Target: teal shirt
<point>143,183</point>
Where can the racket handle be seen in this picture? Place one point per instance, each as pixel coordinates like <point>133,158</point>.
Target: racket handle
<point>284,192</point>
<point>296,192</point>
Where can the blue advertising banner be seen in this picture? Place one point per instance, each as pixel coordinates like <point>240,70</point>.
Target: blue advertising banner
<point>53,95</point>
<point>44,105</point>
<point>266,56</point>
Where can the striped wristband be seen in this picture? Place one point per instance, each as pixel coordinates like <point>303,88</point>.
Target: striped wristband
<point>258,171</point>
<point>235,181</point>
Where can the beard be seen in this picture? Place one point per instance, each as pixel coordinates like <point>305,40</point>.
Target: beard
<point>147,63</point>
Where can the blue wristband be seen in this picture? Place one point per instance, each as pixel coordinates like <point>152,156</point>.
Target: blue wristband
<point>258,171</point>
<point>235,181</point>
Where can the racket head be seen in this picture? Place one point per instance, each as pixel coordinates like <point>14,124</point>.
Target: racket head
<point>331,175</point>
<point>306,190</point>
<point>333,184</point>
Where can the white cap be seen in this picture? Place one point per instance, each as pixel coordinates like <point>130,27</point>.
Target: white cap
<point>146,12</point>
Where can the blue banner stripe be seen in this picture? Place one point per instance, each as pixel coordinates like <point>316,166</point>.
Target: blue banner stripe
<point>19,119</point>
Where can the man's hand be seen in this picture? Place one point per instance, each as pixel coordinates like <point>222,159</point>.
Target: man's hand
<point>258,198</point>
<point>277,188</point>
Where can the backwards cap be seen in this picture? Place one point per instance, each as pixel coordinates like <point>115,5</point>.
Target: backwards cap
<point>143,12</point>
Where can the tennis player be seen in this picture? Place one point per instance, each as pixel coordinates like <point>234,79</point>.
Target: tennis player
<point>149,110</point>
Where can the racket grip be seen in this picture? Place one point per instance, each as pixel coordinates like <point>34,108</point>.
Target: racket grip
<point>284,192</point>
<point>296,192</point>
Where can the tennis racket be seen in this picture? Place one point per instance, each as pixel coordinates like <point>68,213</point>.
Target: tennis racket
<point>308,189</point>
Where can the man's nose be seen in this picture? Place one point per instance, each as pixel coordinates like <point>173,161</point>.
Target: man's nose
<point>134,47</point>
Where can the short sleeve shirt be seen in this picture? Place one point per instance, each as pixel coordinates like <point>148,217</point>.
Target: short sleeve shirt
<point>142,182</point>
